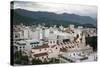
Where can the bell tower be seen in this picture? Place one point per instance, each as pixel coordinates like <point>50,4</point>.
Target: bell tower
<point>83,41</point>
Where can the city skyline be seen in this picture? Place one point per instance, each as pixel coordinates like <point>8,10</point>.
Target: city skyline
<point>51,33</point>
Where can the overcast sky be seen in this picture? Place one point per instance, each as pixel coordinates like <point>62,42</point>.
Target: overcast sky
<point>83,10</point>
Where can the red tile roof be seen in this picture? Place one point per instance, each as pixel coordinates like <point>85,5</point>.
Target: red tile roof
<point>53,46</point>
<point>63,49</point>
<point>41,47</point>
<point>40,54</point>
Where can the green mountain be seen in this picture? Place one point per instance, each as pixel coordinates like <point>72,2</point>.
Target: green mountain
<point>30,17</point>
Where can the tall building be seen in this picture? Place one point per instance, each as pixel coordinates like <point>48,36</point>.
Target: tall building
<point>71,27</point>
<point>43,33</point>
<point>38,33</point>
<point>83,41</point>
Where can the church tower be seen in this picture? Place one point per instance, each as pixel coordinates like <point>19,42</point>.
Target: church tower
<point>83,43</point>
<point>43,33</point>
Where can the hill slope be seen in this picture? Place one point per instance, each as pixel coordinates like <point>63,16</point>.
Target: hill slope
<point>31,17</point>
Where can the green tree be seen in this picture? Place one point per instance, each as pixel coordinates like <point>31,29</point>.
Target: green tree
<point>20,59</point>
<point>92,41</point>
<point>36,61</point>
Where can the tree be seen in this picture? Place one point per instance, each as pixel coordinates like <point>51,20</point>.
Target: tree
<point>20,59</point>
<point>50,61</point>
<point>92,41</point>
<point>24,60</point>
<point>36,61</point>
<point>53,60</point>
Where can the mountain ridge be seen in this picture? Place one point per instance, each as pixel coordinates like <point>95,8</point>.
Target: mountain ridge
<point>50,16</point>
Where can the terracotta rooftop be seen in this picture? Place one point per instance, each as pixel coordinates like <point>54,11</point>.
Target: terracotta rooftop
<point>41,54</point>
<point>63,49</point>
<point>41,47</point>
<point>53,46</point>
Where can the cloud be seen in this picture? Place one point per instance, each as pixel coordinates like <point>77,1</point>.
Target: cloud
<point>83,10</point>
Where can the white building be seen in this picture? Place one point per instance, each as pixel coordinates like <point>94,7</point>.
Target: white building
<point>43,43</point>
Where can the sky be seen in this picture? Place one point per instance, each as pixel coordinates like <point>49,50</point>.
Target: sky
<point>83,10</point>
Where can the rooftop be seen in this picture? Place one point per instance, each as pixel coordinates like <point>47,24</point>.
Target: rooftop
<point>53,46</point>
<point>40,54</point>
<point>41,46</point>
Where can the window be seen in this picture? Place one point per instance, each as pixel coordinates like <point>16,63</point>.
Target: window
<point>74,54</point>
<point>23,47</point>
<point>47,56</point>
<point>42,57</point>
<point>51,42</point>
<point>56,47</point>
<point>40,49</point>
<point>69,46</point>
<point>16,36</point>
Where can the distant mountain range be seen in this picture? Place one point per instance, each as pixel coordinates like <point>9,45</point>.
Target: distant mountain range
<point>50,18</point>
